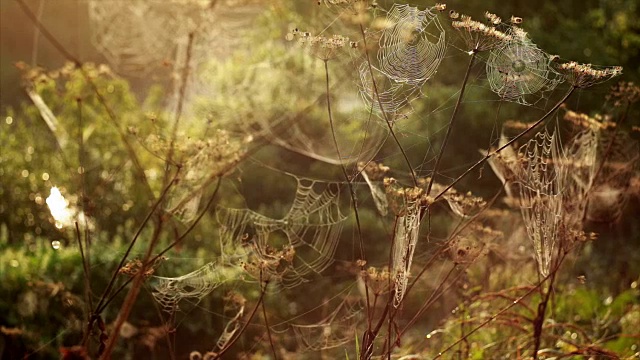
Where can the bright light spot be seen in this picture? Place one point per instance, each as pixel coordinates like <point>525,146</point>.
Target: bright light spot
<point>25,173</point>
<point>9,120</point>
<point>634,284</point>
<point>45,176</point>
<point>608,300</point>
<point>55,244</point>
<point>14,263</point>
<point>59,208</point>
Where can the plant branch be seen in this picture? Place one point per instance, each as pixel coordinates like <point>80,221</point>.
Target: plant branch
<point>451,122</point>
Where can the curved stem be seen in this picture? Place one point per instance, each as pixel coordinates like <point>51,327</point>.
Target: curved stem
<point>451,122</point>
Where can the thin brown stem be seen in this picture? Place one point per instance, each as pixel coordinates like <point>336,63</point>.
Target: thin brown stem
<point>451,122</point>
<point>130,300</point>
<point>266,324</point>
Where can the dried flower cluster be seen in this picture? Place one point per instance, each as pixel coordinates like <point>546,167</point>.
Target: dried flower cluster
<point>377,280</point>
<point>585,75</point>
<point>321,47</point>
<point>477,35</point>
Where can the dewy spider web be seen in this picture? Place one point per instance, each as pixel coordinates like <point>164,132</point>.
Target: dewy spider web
<point>168,291</point>
<point>406,204</point>
<point>311,229</point>
<point>518,70</point>
<point>337,329</point>
<point>406,53</point>
<point>541,181</point>
<point>407,58</point>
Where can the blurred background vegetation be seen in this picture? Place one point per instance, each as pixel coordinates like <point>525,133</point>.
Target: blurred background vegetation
<point>259,76</point>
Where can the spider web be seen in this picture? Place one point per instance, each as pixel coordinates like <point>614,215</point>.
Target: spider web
<point>311,230</point>
<point>581,171</point>
<point>406,54</point>
<point>519,71</point>
<point>541,179</point>
<point>336,329</point>
<point>407,58</point>
<point>168,291</point>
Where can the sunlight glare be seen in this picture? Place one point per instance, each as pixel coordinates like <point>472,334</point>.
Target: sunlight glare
<point>59,208</point>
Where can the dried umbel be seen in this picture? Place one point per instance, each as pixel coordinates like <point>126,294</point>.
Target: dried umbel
<point>321,47</point>
<point>477,35</point>
<point>586,75</point>
<point>377,280</point>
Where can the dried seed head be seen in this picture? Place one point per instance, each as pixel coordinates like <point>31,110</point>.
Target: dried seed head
<point>585,75</point>
<point>493,18</point>
<point>440,7</point>
<point>477,35</point>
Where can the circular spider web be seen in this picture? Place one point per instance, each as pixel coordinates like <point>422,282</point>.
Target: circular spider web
<point>407,54</point>
<point>519,71</point>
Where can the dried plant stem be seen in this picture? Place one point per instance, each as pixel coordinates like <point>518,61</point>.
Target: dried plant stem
<point>87,286</point>
<point>509,143</point>
<point>451,122</point>
<point>384,113</point>
<point>538,322</point>
<point>130,300</point>
<point>132,243</point>
<point>266,324</point>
